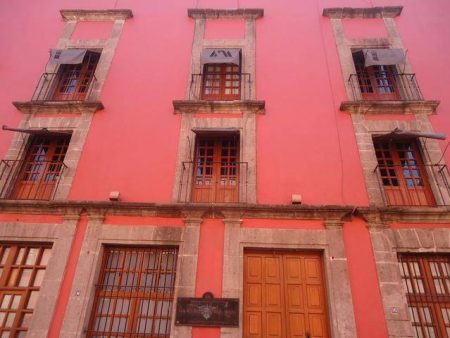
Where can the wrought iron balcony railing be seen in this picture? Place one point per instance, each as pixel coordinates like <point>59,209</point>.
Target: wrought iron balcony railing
<point>385,86</point>
<point>36,180</point>
<point>220,87</point>
<point>63,87</point>
<point>418,185</point>
<point>213,182</point>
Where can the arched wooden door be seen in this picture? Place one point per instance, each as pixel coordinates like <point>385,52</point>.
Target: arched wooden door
<point>284,295</point>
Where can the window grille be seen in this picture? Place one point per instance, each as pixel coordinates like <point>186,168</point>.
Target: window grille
<point>134,295</point>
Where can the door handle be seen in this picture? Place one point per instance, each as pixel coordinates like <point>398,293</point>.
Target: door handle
<point>307,335</point>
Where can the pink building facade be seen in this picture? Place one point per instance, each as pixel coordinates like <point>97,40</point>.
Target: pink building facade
<point>219,168</point>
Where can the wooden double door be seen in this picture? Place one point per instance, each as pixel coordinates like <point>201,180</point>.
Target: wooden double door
<point>216,169</point>
<point>284,295</point>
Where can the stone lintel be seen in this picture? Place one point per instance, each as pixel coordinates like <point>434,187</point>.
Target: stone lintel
<point>202,106</point>
<point>368,12</point>
<point>389,107</point>
<point>211,13</point>
<point>95,14</point>
<point>55,107</point>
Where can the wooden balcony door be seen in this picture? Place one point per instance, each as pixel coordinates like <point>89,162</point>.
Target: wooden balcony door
<point>75,80</point>
<point>221,82</point>
<point>41,170</point>
<point>216,169</point>
<point>375,82</point>
<point>284,295</point>
<point>403,174</point>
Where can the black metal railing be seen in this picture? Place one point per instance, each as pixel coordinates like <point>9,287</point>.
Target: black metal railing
<point>385,87</point>
<point>37,180</point>
<point>213,182</point>
<point>198,88</point>
<point>49,88</point>
<point>418,185</point>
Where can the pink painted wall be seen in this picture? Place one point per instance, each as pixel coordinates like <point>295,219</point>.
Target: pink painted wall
<point>364,281</point>
<point>304,143</point>
<point>209,268</point>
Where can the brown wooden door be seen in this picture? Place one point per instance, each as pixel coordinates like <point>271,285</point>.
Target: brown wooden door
<point>75,80</point>
<point>216,170</point>
<point>284,295</point>
<point>221,82</point>
<point>403,174</point>
<point>42,168</point>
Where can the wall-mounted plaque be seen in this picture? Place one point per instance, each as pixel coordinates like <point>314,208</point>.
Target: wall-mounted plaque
<point>207,311</point>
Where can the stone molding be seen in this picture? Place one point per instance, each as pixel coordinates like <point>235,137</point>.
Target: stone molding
<point>202,106</point>
<point>60,236</point>
<point>211,13</point>
<point>333,216</point>
<point>434,215</point>
<point>95,14</point>
<point>99,235</point>
<point>328,241</point>
<point>369,12</point>
<point>55,107</point>
<point>390,107</point>
<point>179,210</point>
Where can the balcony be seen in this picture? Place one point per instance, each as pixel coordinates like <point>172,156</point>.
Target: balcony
<point>37,180</point>
<point>220,87</point>
<point>213,182</point>
<point>69,90</point>
<point>54,87</point>
<point>385,92</point>
<point>406,185</point>
<point>385,86</point>
<point>219,92</point>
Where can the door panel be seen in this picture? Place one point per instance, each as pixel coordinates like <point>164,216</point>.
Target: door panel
<point>284,295</point>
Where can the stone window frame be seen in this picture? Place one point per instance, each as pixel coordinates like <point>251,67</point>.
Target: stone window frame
<point>98,235</point>
<point>246,125</point>
<point>246,45</point>
<point>240,115</point>
<point>387,243</point>
<point>78,125</point>
<point>329,241</point>
<point>365,130</point>
<point>345,45</point>
<point>58,236</point>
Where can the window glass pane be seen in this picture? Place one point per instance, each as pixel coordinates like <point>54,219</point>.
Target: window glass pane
<point>31,257</point>
<point>4,256</point>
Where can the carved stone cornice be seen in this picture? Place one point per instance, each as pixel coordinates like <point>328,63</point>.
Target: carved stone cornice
<point>178,210</point>
<point>95,14</point>
<point>331,214</point>
<point>55,107</point>
<point>368,12</point>
<point>388,215</point>
<point>202,106</point>
<point>211,13</point>
<point>389,107</point>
